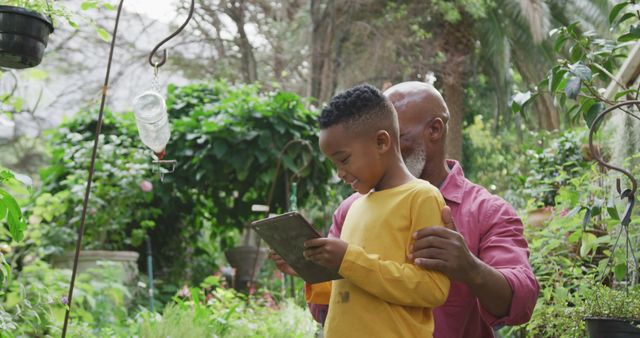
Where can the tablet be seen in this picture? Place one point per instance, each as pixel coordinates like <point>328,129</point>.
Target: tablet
<point>286,235</point>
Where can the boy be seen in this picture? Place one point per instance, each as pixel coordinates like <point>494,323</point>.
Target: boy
<point>382,294</point>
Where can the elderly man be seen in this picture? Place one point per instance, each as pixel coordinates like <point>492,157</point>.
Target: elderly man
<point>482,250</point>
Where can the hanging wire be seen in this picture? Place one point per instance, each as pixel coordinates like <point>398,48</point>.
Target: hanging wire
<point>628,194</point>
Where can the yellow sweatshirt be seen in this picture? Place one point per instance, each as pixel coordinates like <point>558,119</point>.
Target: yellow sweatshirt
<point>383,294</point>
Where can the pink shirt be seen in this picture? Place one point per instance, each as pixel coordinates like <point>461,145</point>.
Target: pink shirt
<point>494,233</point>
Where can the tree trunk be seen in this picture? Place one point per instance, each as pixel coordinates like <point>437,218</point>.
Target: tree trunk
<point>453,91</point>
<point>248,65</point>
<point>458,46</point>
<point>322,31</point>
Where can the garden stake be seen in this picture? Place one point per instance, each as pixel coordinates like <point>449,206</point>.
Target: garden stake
<point>150,271</point>
<point>91,171</point>
<point>95,150</point>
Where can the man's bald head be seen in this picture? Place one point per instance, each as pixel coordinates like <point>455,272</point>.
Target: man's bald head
<point>422,116</point>
<point>419,99</point>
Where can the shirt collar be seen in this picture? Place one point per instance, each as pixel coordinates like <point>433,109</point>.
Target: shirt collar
<point>452,188</point>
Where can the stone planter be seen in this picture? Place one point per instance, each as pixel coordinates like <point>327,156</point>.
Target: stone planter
<point>89,259</point>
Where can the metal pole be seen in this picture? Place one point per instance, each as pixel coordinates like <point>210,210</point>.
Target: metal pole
<point>150,272</point>
<point>91,171</point>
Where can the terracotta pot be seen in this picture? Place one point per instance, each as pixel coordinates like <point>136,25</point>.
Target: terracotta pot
<point>539,217</point>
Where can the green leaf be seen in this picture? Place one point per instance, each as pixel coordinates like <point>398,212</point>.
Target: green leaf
<point>220,148</point>
<point>571,29</point>
<point>624,93</point>
<point>626,17</point>
<point>17,104</point>
<point>560,41</point>
<point>515,107</point>
<point>88,5</point>
<point>613,212</point>
<point>620,271</point>
<point>575,236</point>
<point>38,74</point>
<point>593,112</point>
<point>587,243</point>
<point>576,53</point>
<point>613,14</point>
<point>557,75</point>
<point>634,34</point>
<point>14,216</point>
<point>572,88</point>
<point>104,35</point>
<point>582,71</point>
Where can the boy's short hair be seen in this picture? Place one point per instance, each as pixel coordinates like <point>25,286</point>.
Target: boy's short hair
<point>362,107</point>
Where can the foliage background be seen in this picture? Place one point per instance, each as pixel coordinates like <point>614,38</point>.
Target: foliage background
<point>519,92</point>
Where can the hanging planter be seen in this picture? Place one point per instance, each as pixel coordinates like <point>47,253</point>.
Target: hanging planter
<point>23,37</point>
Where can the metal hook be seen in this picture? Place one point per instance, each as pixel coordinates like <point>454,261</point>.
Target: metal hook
<point>629,194</point>
<point>164,51</point>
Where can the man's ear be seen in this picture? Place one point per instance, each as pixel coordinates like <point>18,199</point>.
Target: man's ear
<point>383,141</point>
<point>435,130</point>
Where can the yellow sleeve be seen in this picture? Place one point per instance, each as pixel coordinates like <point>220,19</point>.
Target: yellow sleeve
<point>401,283</point>
<point>317,293</point>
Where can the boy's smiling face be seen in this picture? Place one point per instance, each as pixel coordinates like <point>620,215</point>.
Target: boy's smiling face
<point>356,155</point>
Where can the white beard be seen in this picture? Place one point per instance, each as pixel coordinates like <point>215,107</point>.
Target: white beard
<point>416,160</point>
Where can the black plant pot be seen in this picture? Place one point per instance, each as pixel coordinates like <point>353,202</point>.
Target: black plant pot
<point>247,260</point>
<point>23,37</point>
<point>612,328</point>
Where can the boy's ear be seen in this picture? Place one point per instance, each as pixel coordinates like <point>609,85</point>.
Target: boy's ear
<point>383,141</point>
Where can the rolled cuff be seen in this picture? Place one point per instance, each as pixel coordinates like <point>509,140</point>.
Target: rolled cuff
<point>525,289</point>
<point>319,293</point>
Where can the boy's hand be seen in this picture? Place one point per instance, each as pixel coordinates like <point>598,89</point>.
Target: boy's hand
<point>281,264</point>
<point>327,252</point>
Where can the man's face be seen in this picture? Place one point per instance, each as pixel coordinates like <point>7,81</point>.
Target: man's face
<point>412,146</point>
<point>355,156</point>
<point>416,159</point>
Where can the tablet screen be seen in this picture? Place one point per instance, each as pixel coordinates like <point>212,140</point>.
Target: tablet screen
<point>286,235</point>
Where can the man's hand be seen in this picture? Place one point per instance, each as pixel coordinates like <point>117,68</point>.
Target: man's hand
<point>327,252</point>
<point>281,264</point>
<point>444,249</point>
